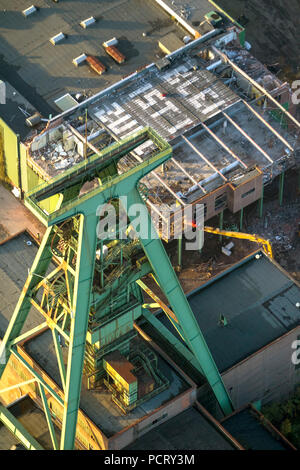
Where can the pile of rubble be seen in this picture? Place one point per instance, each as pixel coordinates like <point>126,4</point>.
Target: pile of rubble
<point>252,67</point>
<point>279,226</point>
<point>56,157</point>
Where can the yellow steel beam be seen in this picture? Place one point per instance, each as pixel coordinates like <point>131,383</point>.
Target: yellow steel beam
<point>12,387</point>
<point>245,236</point>
<point>166,309</point>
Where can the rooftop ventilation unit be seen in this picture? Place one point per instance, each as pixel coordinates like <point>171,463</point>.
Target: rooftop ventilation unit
<point>33,120</point>
<point>111,42</point>
<point>87,22</point>
<point>29,11</point>
<point>78,60</point>
<point>213,18</point>
<point>163,63</point>
<point>57,38</point>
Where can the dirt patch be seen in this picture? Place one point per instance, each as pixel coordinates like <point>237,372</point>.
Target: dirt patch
<point>272,28</point>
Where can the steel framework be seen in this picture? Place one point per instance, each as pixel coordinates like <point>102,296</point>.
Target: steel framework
<point>66,302</point>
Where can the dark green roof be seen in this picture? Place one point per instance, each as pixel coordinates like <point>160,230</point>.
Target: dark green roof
<point>250,431</point>
<point>258,301</point>
<point>16,258</point>
<point>188,430</point>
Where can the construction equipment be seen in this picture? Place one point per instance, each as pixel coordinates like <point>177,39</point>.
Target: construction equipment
<point>92,298</point>
<point>266,245</point>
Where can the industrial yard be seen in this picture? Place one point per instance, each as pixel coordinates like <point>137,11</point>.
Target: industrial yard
<point>126,129</point>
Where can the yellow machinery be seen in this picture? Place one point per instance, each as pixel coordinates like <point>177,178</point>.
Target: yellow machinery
<point>266,245</point>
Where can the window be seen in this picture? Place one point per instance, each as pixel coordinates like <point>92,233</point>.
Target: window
<point>220,201</point>
<point>248,193</point>
<point>160,418</point>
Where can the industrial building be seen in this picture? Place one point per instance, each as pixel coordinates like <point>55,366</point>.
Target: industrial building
<point>252,366</point>
<point>254,432</point>
<point>194,120</point>
<point>249,431</point>
<point>257,303</point>
<point>223,113</point>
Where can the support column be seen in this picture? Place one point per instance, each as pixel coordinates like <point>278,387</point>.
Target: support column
<point>261,202</point>
<point>18,430</point>
<point>179,265</point>
<point>200,241</point>
<point>101,264</point>
<point>241,218</point>
<point>281,186</point>
<point>172,289</point>
<point>86,253</point>
<point>17,321</point>
<point>221,218</point>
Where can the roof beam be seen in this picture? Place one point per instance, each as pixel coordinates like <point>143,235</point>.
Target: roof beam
<point>256,85</point>
<point>204,158</point>
<point>188,175</point>
<point>269,126</point>
<point>223,145</point>
<point>248,137</point>
<point>139,159</point>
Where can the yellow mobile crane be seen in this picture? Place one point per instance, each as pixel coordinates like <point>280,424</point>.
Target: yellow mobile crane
<point>266,245</point>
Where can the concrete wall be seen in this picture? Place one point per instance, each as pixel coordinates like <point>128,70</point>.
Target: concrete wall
<point>171,409</point>
<point>211,202</point>
<point>235,198</point>
<point>245,194</point>
<point>268,375</point>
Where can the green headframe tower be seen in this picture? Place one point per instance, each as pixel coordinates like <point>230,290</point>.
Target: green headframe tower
<point>88,288</point>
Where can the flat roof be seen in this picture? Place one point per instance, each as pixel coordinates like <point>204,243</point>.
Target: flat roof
<point>200,105</point>
<point>45,72</point>
<point>188,430</point>
<point>97,404</point>
<point>16,258</point>
<point>34,421</point>
<point>258,300</point>
<point>253,432</point>
<point>15,111</point>
<point>193,11</point>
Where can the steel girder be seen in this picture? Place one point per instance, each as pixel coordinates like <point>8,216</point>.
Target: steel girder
<point>84,208</point>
